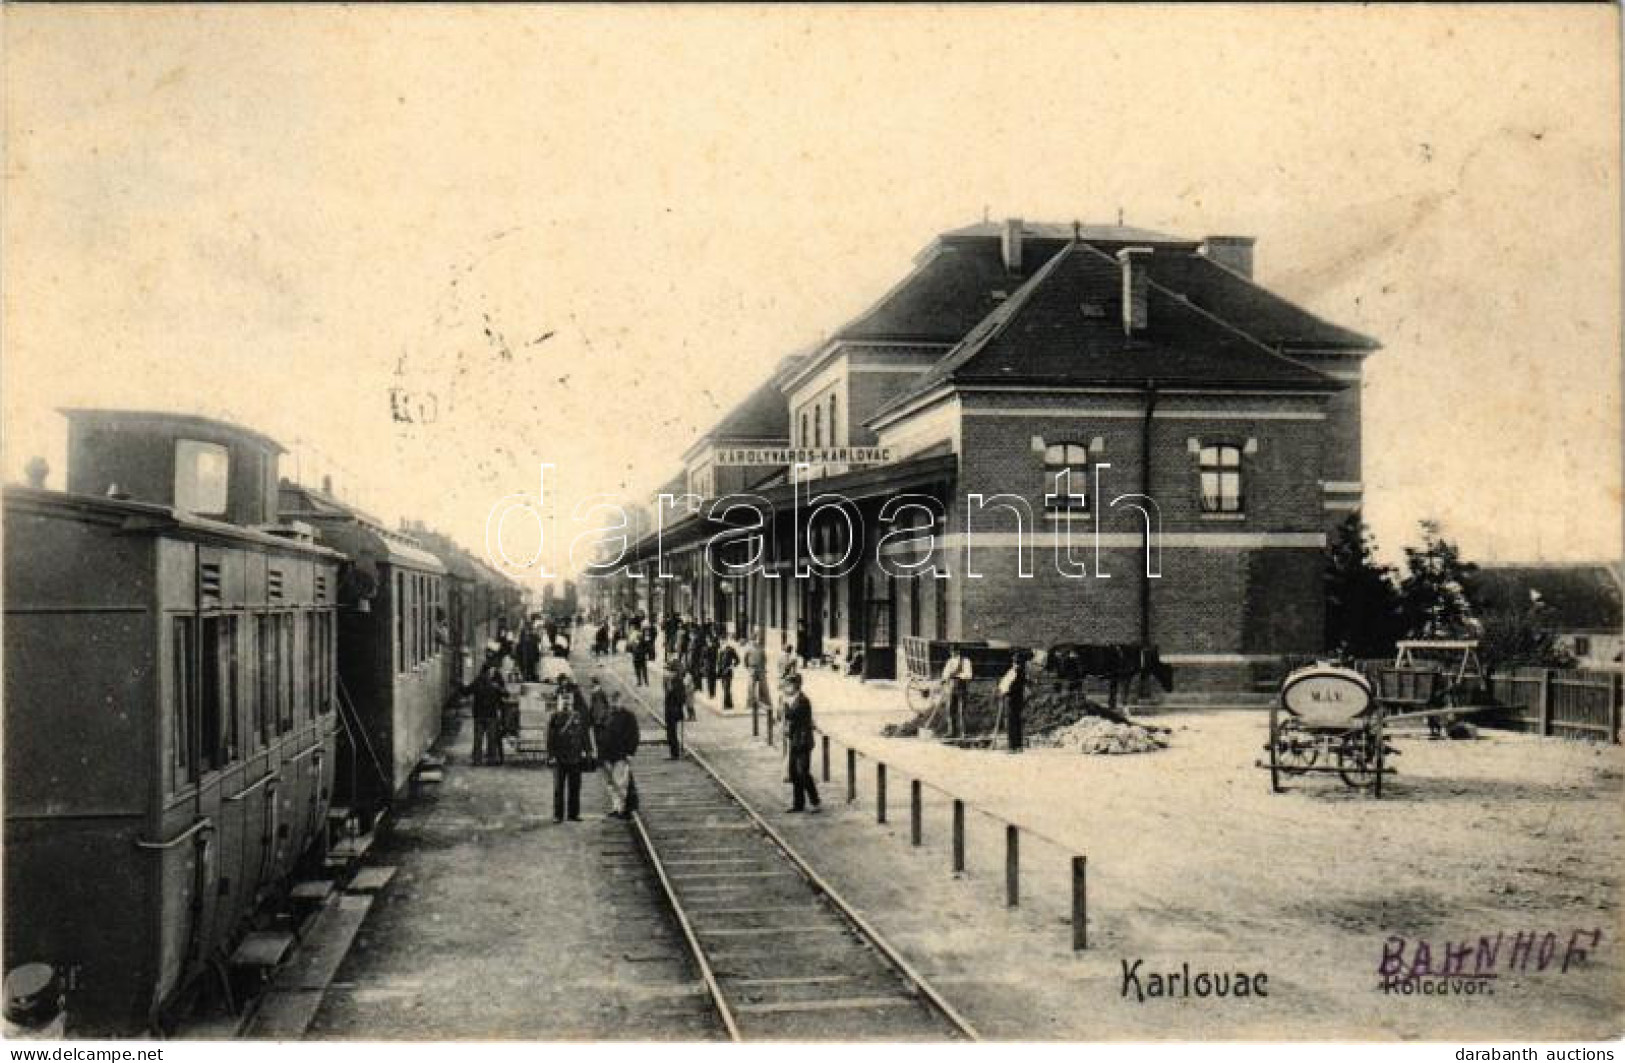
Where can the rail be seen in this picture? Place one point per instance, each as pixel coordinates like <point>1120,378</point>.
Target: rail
<point>916,981</point>
<point>707,975</point>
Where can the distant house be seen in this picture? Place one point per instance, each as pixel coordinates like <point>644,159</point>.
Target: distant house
<point>1584,603</point>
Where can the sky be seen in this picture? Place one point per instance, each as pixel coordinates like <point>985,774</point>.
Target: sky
<point>578,235</point>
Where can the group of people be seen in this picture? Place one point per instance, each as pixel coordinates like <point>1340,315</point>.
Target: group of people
<point>696,654</point>
<point>954,694</point>
<point>591,727</point>
<point>584,728</point>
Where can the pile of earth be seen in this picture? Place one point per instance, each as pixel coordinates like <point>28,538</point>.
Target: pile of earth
<point>1046,711</point>
<point>1092,734</point>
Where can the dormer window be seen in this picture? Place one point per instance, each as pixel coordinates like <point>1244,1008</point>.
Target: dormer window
<point>201,475</point>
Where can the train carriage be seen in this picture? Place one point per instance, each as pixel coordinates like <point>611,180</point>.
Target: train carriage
<point>170,732</point>
<point>393,645</point>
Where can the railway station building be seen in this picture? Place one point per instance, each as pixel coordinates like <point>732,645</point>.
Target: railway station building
<point>1041,433</point>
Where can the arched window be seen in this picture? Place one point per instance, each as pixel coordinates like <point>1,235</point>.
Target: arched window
<point>1066,477</point>
<point>1221,479</point>
<point>834,440</point>
<point>818,427</point>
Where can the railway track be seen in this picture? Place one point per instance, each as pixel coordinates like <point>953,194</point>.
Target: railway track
<point>782,954</point>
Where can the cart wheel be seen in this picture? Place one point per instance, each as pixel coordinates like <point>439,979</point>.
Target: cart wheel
<point>1355,756</point>
<point>1295,748</point>
<point>918,695</point>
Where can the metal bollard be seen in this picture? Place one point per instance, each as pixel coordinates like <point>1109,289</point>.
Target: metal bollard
<point>880,792</point>
<point>755,720</point>
<point>851,775</point>
<point>770,727</point>
<point>825,749</point>
<point>959,836</point>
<point>915,812</point>
<point>1012,866</point>
<point>1080,903</point>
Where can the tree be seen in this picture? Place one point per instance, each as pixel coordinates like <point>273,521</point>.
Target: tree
<point>1362,605</point>
<point>1432,595</point>
<point>1517,634</point>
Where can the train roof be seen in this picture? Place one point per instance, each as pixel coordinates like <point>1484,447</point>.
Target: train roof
<point>133,516</point>
<point>346,522</point>
<point>131,418</point>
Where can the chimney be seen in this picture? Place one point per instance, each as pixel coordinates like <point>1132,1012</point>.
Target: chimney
<point>36,471</point>
<point>1234,253</point>
<point>1136,288</point>
<point>327,484</point>
<point>1012,245</point>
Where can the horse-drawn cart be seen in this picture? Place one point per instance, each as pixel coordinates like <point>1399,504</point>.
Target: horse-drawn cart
<point>1328,720</point>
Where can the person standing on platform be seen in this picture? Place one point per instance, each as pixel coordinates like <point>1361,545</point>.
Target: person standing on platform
<point>489,696</point>
<point>789,668</point>
<point>676,699</point>
<point>956,677</point>
<point>620,741</point>
<point>713,646</point>
<point>756,694</point>
<point>640,659</point>
<point>597,714</point>
<point>727,660</point>
<point>697,652</point>
<point>567,745</point>
<point>530,653</point>
<point>798,739</point>
<point>1014,688</point>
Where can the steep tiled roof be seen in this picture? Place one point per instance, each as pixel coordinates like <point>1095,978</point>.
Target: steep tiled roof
<point>950,289</point>
<point>1261,312</point>
<point>1064,326</point>
<point>1062,232</point>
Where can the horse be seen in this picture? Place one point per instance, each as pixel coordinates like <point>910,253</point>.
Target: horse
<point>1119,665</point>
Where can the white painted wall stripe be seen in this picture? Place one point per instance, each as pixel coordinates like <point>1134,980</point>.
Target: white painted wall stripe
<point>1087,412</point>
<point>1049,540</point>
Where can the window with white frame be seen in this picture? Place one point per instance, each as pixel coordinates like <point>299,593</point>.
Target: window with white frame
<point>1220,472</point>
<point>1066,477</point>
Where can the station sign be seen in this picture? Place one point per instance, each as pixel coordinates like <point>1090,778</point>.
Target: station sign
<point>732,456</point>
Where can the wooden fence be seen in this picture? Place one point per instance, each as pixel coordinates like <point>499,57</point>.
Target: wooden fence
<point>1567,702</point>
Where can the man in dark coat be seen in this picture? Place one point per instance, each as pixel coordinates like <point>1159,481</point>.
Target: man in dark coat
<point>727,660</point>
<point>708,664</point>
<point>640,658</point>
<point>676,699</point>
<point>567,745</point>
<point>798,738</point>
<point>530,653</point>
<point>1014,688</point>
<point>618,742</point>
<point>597,715</point>
<point>698,651</point>
<point>489,697</point>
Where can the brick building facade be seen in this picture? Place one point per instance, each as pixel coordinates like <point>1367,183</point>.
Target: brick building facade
<point>1096,399</point>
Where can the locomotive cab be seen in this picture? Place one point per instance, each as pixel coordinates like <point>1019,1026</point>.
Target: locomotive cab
<point>196,465</point>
